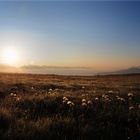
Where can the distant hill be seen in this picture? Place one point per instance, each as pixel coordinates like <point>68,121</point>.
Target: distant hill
<point>132,70</point>
<point>36,69</point>
<point>57,70</point>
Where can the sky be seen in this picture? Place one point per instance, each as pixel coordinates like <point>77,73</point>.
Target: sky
<point>104,35</point>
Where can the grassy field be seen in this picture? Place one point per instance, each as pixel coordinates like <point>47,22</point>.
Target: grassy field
<point>69,107</point>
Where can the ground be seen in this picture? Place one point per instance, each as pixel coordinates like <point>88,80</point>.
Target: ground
<point>69,107</point>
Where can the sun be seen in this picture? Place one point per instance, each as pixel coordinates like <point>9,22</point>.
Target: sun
<point>10,56</point>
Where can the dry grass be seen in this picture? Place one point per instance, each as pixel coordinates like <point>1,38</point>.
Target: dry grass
<point>69,107</point>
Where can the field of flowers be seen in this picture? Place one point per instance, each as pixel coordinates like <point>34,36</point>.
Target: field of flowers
<point>55,107</point>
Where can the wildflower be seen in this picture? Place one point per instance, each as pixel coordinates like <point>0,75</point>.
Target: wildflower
<point>107,100</point>
<point>89,102</point>
<point>96,99</point>
<point>50,89</point>
<point>65,98</point>
<point>117,97</point>
<point>103,96</point>
<point>70,103</point>
<point>17,99</point>
<point>122,99</point>
<point>131,107</point>
<point>110,91</point>
<point>106,97</point>
<point>15,95</point>
<point>130,94</point>
<point>83,87</point>
<point>83,100</point>
<point>11,94</point>
<point>84,104</point>
<point>139,106</point>
<point>32,88</point>
<point>64,101</point>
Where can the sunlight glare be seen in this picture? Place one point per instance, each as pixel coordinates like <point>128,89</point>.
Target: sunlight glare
<point>10,56</point>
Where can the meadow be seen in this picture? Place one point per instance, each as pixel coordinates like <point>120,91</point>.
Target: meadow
<point>52,107</point>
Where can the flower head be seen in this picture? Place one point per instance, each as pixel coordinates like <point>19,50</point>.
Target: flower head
<point>70,103</point>
<point>17,99</point>
<point>130,94</point>
<point>83,87</point>
<point>83,100</point>
<point>12,94</point>
<point>110,91</point>
<point>96,99</point>
<point>15,95</point>
<point>65,98</point>
<point>131,107</point>
<point>89,102</point>
<point>84,104</point>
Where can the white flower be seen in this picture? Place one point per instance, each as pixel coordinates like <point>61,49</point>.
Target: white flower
<point>131,107</point>
<point>103,95</point>
<point>11,94</point>
<point>83,100</point>
<point>50,89</point>
<point>122,99</point>
<point>83,87</point>
<point>65,98</point>
<point>64,101</point>
<point>110,91</point>
<point>15,95</point>
<point>90,102</point>
<point>84,104</point>
<point>107,100</point>
<point>117,97</point>
<point>70,103</point>
<point>18,99</point>
<point>96,99</point>
<point>130,94</point>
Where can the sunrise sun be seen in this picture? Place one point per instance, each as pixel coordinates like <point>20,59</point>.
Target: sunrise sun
<point>10,56</point>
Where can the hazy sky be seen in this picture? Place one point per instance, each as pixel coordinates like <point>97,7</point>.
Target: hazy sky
<point>102,35</point>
